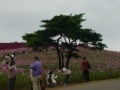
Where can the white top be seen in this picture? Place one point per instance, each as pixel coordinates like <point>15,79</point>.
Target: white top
<point>66,71</point>
<point>53,77</point>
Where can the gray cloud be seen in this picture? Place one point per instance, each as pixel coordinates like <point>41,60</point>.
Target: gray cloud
<point>18,17</point>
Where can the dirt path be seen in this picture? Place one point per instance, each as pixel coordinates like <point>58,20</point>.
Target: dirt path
<point>112,84</point>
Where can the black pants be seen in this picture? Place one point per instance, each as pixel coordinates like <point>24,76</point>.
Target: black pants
<point>66,79</point>
<point>11,83</point>
<point>86,75</point>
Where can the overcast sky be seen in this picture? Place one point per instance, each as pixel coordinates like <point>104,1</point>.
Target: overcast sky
<point>18,17</point>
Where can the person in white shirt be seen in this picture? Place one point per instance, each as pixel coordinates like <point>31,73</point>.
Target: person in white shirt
<point>51,78</point>
<point>66,72</point>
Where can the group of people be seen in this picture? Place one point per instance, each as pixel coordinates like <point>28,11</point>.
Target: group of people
<point>36,72</point>
<point>51,77</point>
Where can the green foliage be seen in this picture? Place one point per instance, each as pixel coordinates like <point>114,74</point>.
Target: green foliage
<point>3,81</point>
<point>64,32</point>
<point>23,78</point>
<point>102,75</point>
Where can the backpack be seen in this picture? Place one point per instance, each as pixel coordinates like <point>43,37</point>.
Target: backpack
<point>89,66</point>
<point>49,79</point>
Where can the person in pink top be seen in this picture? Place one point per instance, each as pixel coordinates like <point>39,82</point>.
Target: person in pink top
<point>10,69</point>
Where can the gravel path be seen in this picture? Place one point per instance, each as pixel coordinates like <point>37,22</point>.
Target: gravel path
<point>112,84</point>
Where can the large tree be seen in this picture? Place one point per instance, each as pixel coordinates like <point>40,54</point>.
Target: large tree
<point>64,32</point>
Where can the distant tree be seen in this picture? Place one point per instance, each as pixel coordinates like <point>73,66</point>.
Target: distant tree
<point>64,32</point>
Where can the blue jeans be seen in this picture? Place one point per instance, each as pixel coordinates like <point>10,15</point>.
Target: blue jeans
<point>11,83</point>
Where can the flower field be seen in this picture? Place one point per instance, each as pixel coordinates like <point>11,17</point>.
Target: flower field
<point>105,65</point>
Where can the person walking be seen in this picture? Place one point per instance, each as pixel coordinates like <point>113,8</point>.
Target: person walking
<point>85,69</point>
<point>36,73</point>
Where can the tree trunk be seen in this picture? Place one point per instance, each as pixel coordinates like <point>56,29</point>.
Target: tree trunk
<point>68,59</point>
<point>59,59</point>
<point>62,59</point>
<point>70,52</point>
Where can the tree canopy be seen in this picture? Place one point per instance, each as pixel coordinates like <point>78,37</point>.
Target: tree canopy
<point>65,33</point>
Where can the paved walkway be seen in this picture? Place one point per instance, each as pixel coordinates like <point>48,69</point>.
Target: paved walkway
<point>112,84</point>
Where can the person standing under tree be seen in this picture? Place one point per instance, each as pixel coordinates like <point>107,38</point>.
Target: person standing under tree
<point>85,69</point>
<point>66,71</point>
<point>36,72</point>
